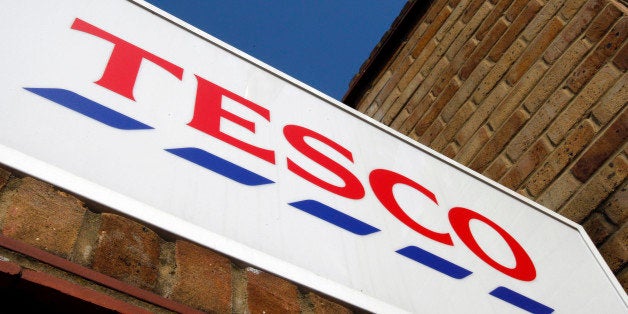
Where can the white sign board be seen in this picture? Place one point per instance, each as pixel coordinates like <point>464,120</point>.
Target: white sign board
<point>147,115</point>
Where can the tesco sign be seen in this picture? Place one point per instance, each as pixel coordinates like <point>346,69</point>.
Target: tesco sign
<point>127,106</point>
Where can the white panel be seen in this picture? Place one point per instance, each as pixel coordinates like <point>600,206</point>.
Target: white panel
<point>131,171</point>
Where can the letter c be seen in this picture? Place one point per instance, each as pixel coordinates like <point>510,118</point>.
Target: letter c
<point>382,182</point>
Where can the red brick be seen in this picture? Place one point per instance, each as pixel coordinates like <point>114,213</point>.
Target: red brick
<point>423,88</point>
<point>457,61</point>
<point>470,10</point>
<point>602,23</point>
<point>499,140</point>
<point>447,77</point>
<point>615,206</point>
<point>435,8</point>
<point>386,105</point>
<point>517,94</point>
<point>409,84</point>
<point>555,75</point>
<point>397,69</point>
<point>559,191</point>
<point>417,112</point>
<point>443,46</point>
<point>454,3</point>
<point>401,117</point>
<point>615,249</point>
<point>526,164</point>
<point>203,278</point>
<point>573,30</point>
<point>611,104</point>
<point>361,104</point>
<point>385,98</point>
<point>539,122</point>
<point>371,109</point>
<point>598,228</point>
<point>471,147</point>
<point>561,157</point>
<point>367,100</point>
<point>431,133</point>
<point>497,168</point>
<point>498,71</point>
<point>621,58</point>
<point>449,24</point>
<point>623,278</point>
<point>514,29</point>
<point>127,251</point>
<point>491,19</point>
<point>596,190</point>
<point>466,89</point>
<point>542,18</point>
<point>604,146</point>
<point>534,50</point>
<point>270,294</point>
<point>602,53</point>
<point>321,305</point>
<point>431,31</point>
<point>570,8</point>
<point>438,105</point>
<point>459,119</point>
<point>400,64</point>
<point>515,9</point>
<point>34,212</point>
<point>482,49</point>
<point>4,177</point>
<point>465,37</point>
<point>450,150</point>
<point>439,143</point>
<point>481,113</point>
<point>579,107</point>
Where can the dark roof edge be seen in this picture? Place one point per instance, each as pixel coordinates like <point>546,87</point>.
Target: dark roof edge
<point>399,30</point>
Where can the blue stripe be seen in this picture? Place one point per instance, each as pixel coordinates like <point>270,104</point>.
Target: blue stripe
<point>90,108</point>
<point>334,217</point>
<point>435,262</point>
<point>520,300</point>
<point>219,165</point>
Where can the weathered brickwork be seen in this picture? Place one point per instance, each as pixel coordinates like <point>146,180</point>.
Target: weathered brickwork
<point>532,94</point>
<point>34,212</point>
<point>202,278</point>
<point>40,215</point>
<point>128,251</point>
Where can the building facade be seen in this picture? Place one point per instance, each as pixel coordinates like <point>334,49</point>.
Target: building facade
<point>531,94</point>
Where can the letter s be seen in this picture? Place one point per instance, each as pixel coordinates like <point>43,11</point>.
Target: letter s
<point>296,135</point>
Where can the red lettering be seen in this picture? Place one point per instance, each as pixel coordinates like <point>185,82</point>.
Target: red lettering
<point>124,63</point>
<point>296,135</point>
<point>459,217</point>
<point>120,76</point>
<point>208,111</point>
<point>382,182</point>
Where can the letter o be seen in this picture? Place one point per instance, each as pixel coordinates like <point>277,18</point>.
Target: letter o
<point>459,218</point>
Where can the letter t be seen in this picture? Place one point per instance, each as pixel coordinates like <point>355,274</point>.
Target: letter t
<point>124,64</point>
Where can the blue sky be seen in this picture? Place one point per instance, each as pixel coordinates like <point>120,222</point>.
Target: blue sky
<point>322,43</point>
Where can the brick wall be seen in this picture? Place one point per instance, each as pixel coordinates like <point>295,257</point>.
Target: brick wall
<point>129,266</point>
<point>531,94</point>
